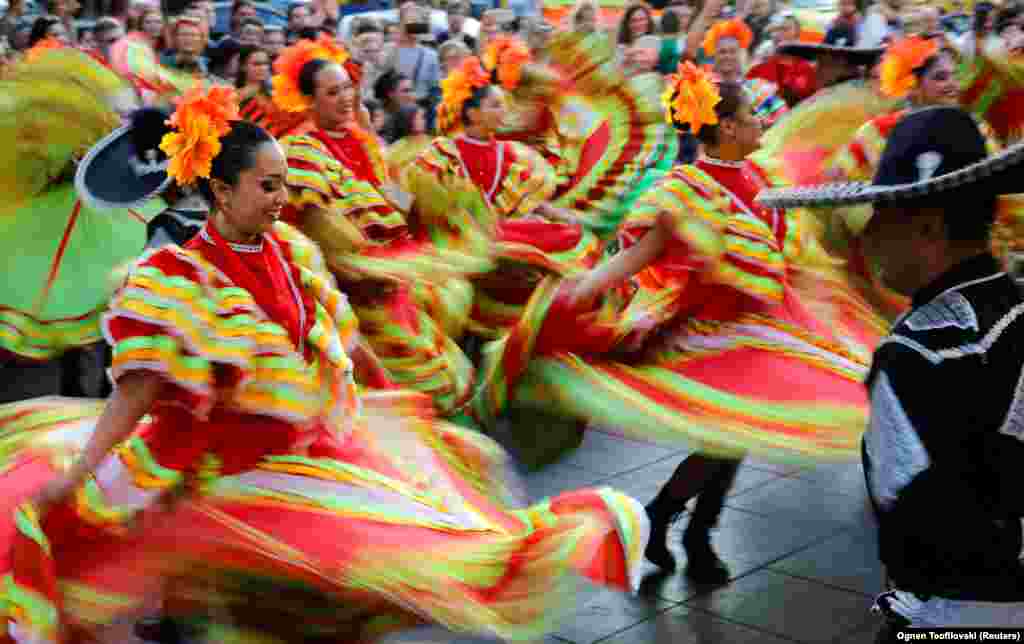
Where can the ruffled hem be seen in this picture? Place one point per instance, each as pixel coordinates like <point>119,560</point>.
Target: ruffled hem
<point>406,516</point>
<point>729,246</point>
<point>178,316</point>
<point>39,340</point>
<point>681,405</point>
<point>613,153</point>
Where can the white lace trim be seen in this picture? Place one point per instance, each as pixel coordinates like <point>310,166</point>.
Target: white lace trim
<point>893,447</point>
<point>951,309</point>
<point>238,248</point>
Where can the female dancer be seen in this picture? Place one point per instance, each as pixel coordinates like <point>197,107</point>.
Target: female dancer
<point>236,442</point>
<point>602,131</point>
<point>253,83</point>
<point>340,197</point>
<point>714,337</point>
<point>510,186</point>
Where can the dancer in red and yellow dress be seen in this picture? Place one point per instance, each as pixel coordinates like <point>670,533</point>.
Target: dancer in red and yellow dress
<point>237,451</point>
<point>602,131</point>
<point>509,187</point>
<point>705,329</point>
<point>408,303</point>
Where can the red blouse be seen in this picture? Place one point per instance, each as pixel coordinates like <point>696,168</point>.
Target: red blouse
<point>261,270</point>
<point>735,178</point>
<point>351,152</point>
<point>486,162</point>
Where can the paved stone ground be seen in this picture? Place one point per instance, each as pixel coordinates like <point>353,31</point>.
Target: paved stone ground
<point>801,544</point>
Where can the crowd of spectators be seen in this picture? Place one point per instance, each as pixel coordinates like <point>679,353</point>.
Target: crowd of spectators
<point>404,59</point>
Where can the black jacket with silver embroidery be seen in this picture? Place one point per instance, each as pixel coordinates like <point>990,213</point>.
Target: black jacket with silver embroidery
<point>944,453</point>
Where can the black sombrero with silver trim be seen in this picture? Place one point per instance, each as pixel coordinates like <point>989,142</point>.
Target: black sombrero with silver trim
<point>839,41</point>
<point>928,154</point>
<point>127,167</point>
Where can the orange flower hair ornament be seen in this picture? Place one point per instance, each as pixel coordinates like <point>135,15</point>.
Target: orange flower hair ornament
<point>734,28</point>
<point>900,62</point>
<point>203,116</point>
<point>690,97</point>
<point>41,47</point>
<point>456,90</point>
<point>505,56</point>
<point>288,66</point>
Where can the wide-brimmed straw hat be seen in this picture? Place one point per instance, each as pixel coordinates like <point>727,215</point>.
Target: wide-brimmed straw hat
<point>934,152</point>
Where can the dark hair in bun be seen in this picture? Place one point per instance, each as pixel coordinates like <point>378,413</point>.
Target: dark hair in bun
<point>237,154</point>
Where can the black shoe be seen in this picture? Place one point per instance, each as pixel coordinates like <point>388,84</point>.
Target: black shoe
<point>702,563</point>
<point>657,551</point>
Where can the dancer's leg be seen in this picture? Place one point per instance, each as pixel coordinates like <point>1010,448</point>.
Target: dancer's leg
<point>687,481</point>
<point>702,564</point>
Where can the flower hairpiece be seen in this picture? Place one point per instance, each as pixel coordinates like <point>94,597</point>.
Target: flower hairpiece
<point>41,47</point>
<point>456,90</point>
<point>203,116</point>
<point>506,56</point>
<point>690,97</point>
<point>287,94</point>
<point>734,28</point>
<point>900,62</point>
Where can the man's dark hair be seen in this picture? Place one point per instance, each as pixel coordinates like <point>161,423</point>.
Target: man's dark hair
<point>309,33</point>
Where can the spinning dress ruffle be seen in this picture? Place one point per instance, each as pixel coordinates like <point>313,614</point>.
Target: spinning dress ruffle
<point>262,475</point>
<point>604,133</point>
<point>59,279</point>
<point>525,246</point>
<point>710,345</point>
<point>60,251</point>
<point>409,292</point>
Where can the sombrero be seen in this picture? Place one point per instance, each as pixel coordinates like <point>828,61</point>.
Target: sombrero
<point>126,168</point>
<point>840,40</point>
<point>929,154</point>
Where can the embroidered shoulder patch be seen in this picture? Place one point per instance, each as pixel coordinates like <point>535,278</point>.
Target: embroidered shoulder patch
<point>948,310</point>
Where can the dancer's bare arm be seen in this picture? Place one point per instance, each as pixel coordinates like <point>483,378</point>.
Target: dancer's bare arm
<point>132,398</point>
<point>621,267</point>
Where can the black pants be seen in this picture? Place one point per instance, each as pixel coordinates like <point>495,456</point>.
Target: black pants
<point>711,498</point>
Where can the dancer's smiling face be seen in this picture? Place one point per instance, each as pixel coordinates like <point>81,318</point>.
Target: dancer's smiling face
<point>248,207</point>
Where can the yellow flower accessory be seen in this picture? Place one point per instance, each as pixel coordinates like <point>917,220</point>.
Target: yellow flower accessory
<point>900,62</point>
<point>734,28</point>
<point>507,55</point>
<point>456,90</point>
<point>690,97</point>
<point>288,66</point>
<point>202,117</point>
